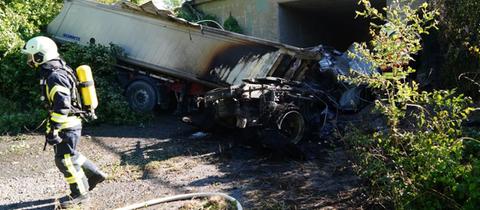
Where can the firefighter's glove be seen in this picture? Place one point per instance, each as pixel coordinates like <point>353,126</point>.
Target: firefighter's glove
<point>52,138</point>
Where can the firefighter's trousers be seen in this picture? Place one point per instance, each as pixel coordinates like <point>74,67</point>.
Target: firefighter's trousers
<point>76,168</point>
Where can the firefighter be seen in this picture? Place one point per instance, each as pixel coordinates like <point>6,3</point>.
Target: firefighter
<point>64,124</point>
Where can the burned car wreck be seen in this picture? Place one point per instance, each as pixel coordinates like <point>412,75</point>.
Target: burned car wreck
<point>291,108</point>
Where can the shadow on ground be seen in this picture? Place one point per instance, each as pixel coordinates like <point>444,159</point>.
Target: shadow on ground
<point>258,178</point>
<point>46,204</point>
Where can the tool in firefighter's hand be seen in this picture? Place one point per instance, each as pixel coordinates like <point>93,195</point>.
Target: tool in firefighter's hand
<point>52,139</point>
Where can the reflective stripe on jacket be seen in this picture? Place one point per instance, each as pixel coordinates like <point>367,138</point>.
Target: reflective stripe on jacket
<point>58,94</point>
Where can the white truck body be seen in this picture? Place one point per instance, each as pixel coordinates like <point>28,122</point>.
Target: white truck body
<point>166,46</point>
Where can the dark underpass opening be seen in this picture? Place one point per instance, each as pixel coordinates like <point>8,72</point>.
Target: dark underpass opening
<point>307,23</point>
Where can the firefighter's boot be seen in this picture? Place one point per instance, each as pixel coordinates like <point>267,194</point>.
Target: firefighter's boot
<point>70,166</point>
<point>95,179</point>
<point>94,175</point>
<point>71,201</point>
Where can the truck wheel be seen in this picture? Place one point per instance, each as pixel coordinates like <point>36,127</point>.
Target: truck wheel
<point>141,96</point>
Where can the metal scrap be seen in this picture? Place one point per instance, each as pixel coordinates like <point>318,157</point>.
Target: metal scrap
<point>302,103</point>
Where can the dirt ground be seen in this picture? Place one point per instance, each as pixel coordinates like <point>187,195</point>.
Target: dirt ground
<point>167,158</point>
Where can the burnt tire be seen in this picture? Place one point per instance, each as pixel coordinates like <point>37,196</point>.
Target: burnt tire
<point>141,96</point>
<point>292,125</point>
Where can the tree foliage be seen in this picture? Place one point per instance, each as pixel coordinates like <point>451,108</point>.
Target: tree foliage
<point>419,160</point>
<point>231,24</point>
<point>172,4</point>
<point>188,12</point>
<point>21,108</point>
<point>21,19</point>
<point>459,43</point>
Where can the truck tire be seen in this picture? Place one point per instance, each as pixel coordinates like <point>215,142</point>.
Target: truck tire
<point>141,96</point>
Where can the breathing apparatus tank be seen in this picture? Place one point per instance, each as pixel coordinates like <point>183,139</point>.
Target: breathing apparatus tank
<point>87,90</point>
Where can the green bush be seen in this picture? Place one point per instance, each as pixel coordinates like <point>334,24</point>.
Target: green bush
<point>12,120</point>
<point>113,108</point>
<point>22,19</point>
<point>419,160</point>
<point>188,12</point>
<point>231,24</point>
<point>19,102</point>
<point>459,43</point>
<point>20,106</point>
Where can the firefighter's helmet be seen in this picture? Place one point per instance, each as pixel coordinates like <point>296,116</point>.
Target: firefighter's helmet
<point>40,49</point>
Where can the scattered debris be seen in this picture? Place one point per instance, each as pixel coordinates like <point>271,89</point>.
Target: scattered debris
<point>198,135</point>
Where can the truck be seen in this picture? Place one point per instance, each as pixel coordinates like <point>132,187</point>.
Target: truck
<point>235,80</point>
<point>167,55</point>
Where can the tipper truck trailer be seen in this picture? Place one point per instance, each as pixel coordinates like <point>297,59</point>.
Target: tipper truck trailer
<point>167,56</point>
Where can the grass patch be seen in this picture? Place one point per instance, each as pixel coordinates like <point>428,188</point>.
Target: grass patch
<point>212,203</point>
<point>123,173</point>
<point>19,145</point>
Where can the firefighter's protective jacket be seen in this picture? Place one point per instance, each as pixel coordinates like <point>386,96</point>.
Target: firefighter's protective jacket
<point>59,92</point>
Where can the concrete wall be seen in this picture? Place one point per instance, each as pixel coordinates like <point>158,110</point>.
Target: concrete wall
<point>301,23</point>
<point>416,3</point>
<point>257,18</point>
